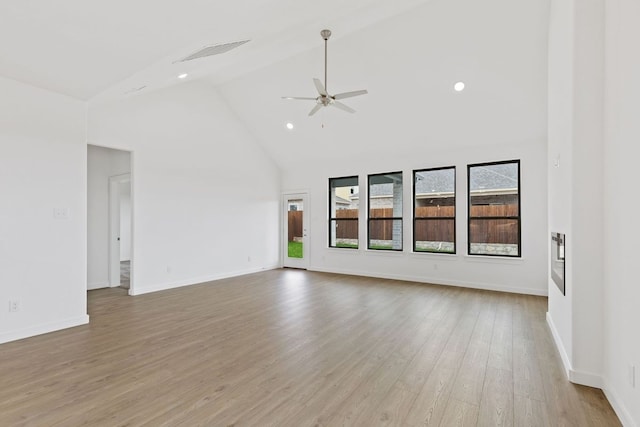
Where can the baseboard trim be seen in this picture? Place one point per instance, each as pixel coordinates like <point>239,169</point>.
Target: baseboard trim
<point>619,408</point>
<point>559,345</point>
<point>43,329</point>
<point>421,279</point>
<point>99,285</point>
<point>577,377</point>
<point>196,280</point>
<point>586,378</point>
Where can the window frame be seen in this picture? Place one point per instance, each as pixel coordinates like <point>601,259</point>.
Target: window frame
<point>518,218</point>
<point>369,219</point>
<point>331,219</point>
<point>455,211</point>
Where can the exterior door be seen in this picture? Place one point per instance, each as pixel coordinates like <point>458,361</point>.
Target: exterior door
<point>296,240</point>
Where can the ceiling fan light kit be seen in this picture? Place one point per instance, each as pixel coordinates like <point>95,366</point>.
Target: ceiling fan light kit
<point>324,99</point>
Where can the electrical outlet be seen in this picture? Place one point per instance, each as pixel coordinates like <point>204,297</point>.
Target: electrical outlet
<point>632,376</point>
<point>168,269</point>
<point>14,305</point>
<point>61,213</point>
<point>248,259</point>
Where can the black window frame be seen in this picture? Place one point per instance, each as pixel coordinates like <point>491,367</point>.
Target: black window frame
<point>331,218</point>
<point>369,219</point>
<point>518,217</point>
<point>455,211</point>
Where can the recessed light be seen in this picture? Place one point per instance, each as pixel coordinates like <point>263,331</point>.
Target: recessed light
<point>458,87</point>
<point>289,126</point>
<point>183,76</point>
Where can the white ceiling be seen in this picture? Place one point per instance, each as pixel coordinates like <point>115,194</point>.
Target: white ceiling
<point>409,64</point>
<point>407,53</point>
<point>86,48</point>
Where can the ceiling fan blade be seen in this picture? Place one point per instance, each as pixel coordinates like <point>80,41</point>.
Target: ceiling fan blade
<point>321,90</point>
<point>315,109</point>
<point>341,106</point>
<point>299,97</point>
<point>350,94</point>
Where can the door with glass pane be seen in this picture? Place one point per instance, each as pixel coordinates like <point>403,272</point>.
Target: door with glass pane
<point>296,247</point>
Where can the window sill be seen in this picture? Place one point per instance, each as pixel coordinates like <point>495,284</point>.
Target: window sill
<point>491,259</point>
<point>345,250</point>
<point>383,252</point>
<point>435,255</point>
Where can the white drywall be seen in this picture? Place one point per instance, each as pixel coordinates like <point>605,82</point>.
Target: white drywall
<point>586,235</point>
<point>593,63</point>
<point>42,172</point>
<point>621,227</point>
<point>576,96</point>
<point>560,160</point>
<point>412,118</point>
<point>102,163</point>
<point>521,275</point>
<point>206,195</point>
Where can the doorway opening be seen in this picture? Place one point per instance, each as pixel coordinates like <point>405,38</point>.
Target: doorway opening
<point>109,219</point>
<point>120,231</point>
<point>295,238</point>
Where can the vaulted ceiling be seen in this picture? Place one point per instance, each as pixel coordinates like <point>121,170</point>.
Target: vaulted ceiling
<point>84,48</point>
<point>406,53</point>
<point>409,63</point>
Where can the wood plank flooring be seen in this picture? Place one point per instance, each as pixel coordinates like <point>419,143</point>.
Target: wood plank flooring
<point>297,348</point>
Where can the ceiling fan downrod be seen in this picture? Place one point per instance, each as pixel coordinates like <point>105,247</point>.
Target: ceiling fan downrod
<point>325,35</point>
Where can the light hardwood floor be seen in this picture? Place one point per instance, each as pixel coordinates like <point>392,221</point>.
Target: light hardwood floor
<point>296,348</point>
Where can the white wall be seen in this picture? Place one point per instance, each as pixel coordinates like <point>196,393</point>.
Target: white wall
<point>586,237</point>
<point>593,62</point>
<point>560,161</point>
<point>621,227</point>
<point>42,169</point>
<point>412,118</point>
<point>525,275</point>
<point>206,195</point>
<point>102,163</point>
<point>576,96</point>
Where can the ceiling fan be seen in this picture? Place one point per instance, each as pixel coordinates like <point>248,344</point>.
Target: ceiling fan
<point>324,99</point>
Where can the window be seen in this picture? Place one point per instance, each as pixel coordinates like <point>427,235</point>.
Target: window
<point>385,211</point>
<point>343,212</point>
<point>494,208</point>
<point>434,210</point>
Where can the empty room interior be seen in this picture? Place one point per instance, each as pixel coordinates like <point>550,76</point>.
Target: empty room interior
<point>279,213</point>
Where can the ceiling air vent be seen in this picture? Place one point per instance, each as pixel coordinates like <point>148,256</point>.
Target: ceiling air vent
<point>213,50</point>
<point>134,90</point>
